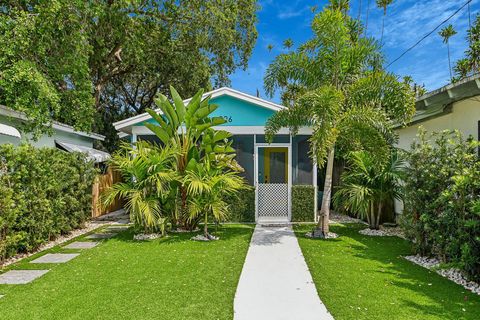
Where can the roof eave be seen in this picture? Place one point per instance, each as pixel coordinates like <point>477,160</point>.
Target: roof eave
<point>125,125</point>
<point>55,124</point>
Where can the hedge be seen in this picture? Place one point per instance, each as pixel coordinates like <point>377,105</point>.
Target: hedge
<point>242,206</point>
<point>442,199</point>
<point>44,192</point>
<point>303,203</point>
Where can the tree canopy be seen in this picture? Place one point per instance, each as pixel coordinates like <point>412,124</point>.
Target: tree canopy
<point>335,84</point>
<point>69,60</point>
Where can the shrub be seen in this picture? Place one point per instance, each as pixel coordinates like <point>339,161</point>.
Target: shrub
<point>242,206</point>
<point>368,186</point>
<point>442,211</point>
<point>303,203</point>
<point>44,193</point>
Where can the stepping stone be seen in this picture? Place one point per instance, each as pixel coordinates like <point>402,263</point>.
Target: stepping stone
<point>117,228</point>
<point>123,221</point>
<point>81,245</point>
<point>101,236</point>
<point>21,276</point>
<point>55,258</point>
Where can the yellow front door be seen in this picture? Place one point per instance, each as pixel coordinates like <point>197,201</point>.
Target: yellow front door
<point>276,165</point>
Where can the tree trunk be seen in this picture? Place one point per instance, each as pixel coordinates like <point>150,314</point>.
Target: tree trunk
<point>379,214</point>
<point>327,194</point>
<point>205,226</point>
<point>371,215</point>
<point>449,62</point>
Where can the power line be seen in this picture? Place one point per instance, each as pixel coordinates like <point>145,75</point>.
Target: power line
<point>430,33</point>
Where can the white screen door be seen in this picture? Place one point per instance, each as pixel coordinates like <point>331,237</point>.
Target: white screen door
<point>272,183</point>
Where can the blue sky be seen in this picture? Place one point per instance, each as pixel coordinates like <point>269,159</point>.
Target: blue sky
<point>407,21</point>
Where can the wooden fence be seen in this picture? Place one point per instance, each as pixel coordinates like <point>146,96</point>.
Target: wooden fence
<point>101,183</point>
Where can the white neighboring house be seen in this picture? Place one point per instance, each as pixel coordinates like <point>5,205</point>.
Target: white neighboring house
<point>64,136</point>
<point>454,106</point>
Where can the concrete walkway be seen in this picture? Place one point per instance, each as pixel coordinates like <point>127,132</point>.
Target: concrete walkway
<point>275,282</point>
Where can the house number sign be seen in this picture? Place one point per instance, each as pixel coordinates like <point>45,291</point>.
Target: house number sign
<point>227,118</point>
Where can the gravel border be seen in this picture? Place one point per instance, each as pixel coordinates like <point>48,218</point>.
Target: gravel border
<point>89,226</point>
<point>452,274</point>
<point>343,218</point>
<point>147,236</point>
<point>384,232</point>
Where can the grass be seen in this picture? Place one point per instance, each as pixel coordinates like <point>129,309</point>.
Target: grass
<point>171,278</point>
<point>362,277</point>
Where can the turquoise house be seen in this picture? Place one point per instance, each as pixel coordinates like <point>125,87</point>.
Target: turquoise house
<point>273,169</point>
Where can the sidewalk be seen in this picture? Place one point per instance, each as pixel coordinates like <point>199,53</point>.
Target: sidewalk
<point>275,283</point>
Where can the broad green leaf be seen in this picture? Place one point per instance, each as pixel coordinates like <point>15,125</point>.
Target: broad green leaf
<point>159,132</point>
<point>179,105</point>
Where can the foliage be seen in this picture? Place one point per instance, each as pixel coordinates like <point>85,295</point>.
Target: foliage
<point>68,60</point>
<point>186,178</point>
<point>442,199</point>
<point>148,172</point>
<point>207,183</point>
<point>446,33</point>
<point>303,203</point>
<point>44,193</point>
<point>368,186</point>
<point>241,205</point>
<point>469,65</point>
<point>348,271</point>
<point>121,269</point>
<point>335,84</point>
<point>188,128</point>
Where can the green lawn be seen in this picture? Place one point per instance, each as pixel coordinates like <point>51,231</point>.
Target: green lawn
<point>362,277</point>
<point>172,278</point>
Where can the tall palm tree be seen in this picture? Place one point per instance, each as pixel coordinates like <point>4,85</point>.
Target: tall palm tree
<point>336,93</point>
<point>288,43</point>
<point>341,5</point>
<point>446,33</point>
<point>383,4</point>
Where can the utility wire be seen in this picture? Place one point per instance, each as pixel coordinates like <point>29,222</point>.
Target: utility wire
<point>430,33</point>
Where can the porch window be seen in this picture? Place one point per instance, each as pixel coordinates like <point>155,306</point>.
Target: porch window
<point>301,161</point>
<point>244,146</point>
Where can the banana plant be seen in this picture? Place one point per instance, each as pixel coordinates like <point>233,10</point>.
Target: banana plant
<point>189,127</point>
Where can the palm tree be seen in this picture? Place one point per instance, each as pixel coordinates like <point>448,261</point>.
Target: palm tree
<point>383,4</point>
<point>341,5</point>
<point>270,47</point>
<point>348,106</point>
<point>288,43</point>
<point>367,185</point>
<point>148,172</point>
<point>446,33</point>
<point>208,184</point>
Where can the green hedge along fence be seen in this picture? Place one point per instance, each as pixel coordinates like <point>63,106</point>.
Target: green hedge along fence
<point>44,193</point>
<point>242,206</point>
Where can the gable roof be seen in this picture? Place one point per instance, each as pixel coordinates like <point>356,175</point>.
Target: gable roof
<point>55,125</point>
<point>124,125</point>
